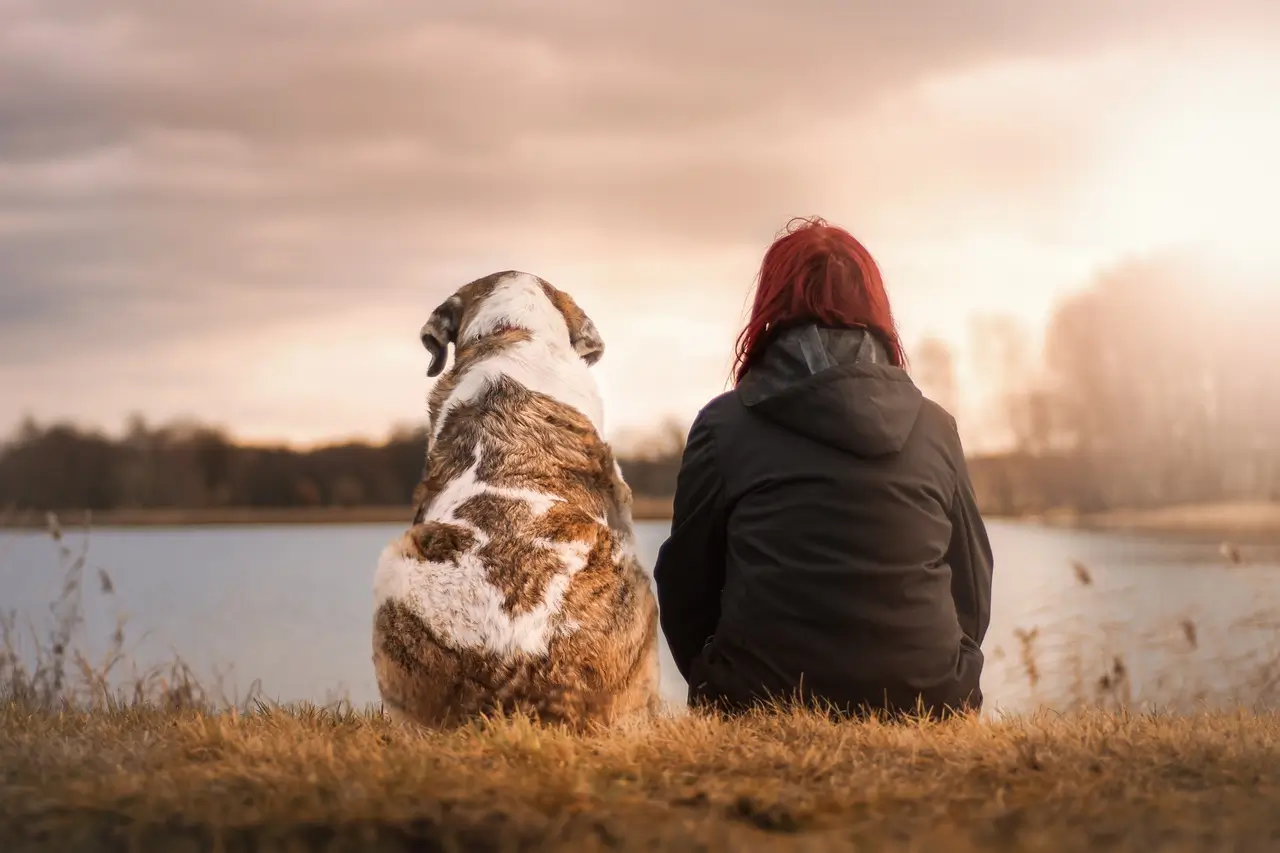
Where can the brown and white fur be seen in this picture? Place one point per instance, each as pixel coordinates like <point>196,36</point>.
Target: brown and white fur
<point>518,587</point>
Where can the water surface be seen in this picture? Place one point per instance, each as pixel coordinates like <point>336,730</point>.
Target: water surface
<point>291,606</point>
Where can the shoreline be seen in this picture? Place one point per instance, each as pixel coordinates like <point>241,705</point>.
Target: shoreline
<point>1251,521</point>
<point>644,509</point>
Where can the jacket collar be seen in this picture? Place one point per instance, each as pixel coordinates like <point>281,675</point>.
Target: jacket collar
<point>805,350</point>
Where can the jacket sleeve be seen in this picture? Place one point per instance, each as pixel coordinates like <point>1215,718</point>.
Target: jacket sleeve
<point>970,558</point>
<point>689,571</point>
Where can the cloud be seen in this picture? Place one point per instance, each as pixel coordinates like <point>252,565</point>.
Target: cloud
<point>177,176</point>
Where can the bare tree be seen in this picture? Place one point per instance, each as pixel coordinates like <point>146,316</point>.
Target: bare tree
<point>934,369</point>
<point>1006,360</point>
<point>1166,380</point>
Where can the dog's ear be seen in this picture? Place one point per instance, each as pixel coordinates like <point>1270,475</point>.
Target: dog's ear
<point>440,330</point>
<point>583,334</point>
<point>586,340</point>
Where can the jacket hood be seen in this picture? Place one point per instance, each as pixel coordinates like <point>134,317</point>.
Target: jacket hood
<point>836,386</point>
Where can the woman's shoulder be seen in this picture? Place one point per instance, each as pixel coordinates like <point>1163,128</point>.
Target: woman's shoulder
<point>942,430</point>
<point>937,415</point>
<point>718,410</point>
<point>718,421</point>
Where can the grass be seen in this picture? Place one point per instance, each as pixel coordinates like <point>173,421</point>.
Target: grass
<point>1253,521</point>
<point>313,779</point>
<point>166,763</point>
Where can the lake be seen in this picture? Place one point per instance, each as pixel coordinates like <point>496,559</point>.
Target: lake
<point>291,606</point>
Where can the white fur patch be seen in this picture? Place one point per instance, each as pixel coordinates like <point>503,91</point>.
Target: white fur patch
<point>457,601</point>
<point>546,364</point>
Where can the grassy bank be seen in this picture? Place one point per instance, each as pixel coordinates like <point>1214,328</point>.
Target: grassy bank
<point>1228,520</point>
<point>173,765</point>
<point>308,779</point>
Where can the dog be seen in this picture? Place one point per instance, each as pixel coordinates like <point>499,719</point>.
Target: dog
<point>517,589</point>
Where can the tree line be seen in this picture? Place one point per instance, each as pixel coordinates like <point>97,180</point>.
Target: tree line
<point>189,465</point>
<point>1158,383</point>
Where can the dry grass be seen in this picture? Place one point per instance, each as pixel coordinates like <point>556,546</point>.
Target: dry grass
<point>169,765</point>
<point>51,672</point>
<point>1257,520</point>
<point>308,779</point>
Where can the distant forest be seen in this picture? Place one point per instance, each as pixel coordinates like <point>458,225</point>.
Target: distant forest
<point>193,466</point>
<point>1159,385</point>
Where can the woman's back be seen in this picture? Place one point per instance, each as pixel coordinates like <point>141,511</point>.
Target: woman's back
<point>825,537</point>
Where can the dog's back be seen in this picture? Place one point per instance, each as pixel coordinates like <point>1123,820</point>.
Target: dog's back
<point>518,587</point>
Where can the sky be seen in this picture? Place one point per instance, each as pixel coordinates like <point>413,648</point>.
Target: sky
<point>243,212</point>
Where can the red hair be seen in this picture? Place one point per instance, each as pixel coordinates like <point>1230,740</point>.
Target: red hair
<point>818,273</point>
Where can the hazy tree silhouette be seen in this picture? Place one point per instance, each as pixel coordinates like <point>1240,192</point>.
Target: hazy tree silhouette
<point>1165,384</point>
<point>933,368</point>
<point>1158,383</point>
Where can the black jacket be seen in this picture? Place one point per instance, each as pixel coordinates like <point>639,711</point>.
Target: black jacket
<point>825,538</point>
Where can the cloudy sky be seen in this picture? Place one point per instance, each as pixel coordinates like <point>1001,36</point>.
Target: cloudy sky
<point>243,211</point>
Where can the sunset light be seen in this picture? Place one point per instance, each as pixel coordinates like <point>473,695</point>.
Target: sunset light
<point>994,184</point>
<point>1198,165</point>
<point>665,425</point>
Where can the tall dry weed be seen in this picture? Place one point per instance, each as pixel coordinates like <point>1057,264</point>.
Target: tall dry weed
<point>1077,664</point>
<point>50,671</point>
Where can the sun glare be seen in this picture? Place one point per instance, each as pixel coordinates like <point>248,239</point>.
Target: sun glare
<point>1200,167</point>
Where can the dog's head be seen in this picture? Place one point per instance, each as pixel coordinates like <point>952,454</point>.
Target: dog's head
<point>508,300</point>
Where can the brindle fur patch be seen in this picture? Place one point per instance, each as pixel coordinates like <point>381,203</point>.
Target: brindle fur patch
<point>573,315</point>
<point>439,542</point>
<point>431,684</point>
<point>518,566</point>
<point>582,332</point>
<point>467,355</point>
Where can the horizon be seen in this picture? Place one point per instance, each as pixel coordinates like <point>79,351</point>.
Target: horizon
<point>255,243</point>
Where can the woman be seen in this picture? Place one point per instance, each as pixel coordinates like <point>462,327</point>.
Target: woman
<point>825,543</point>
